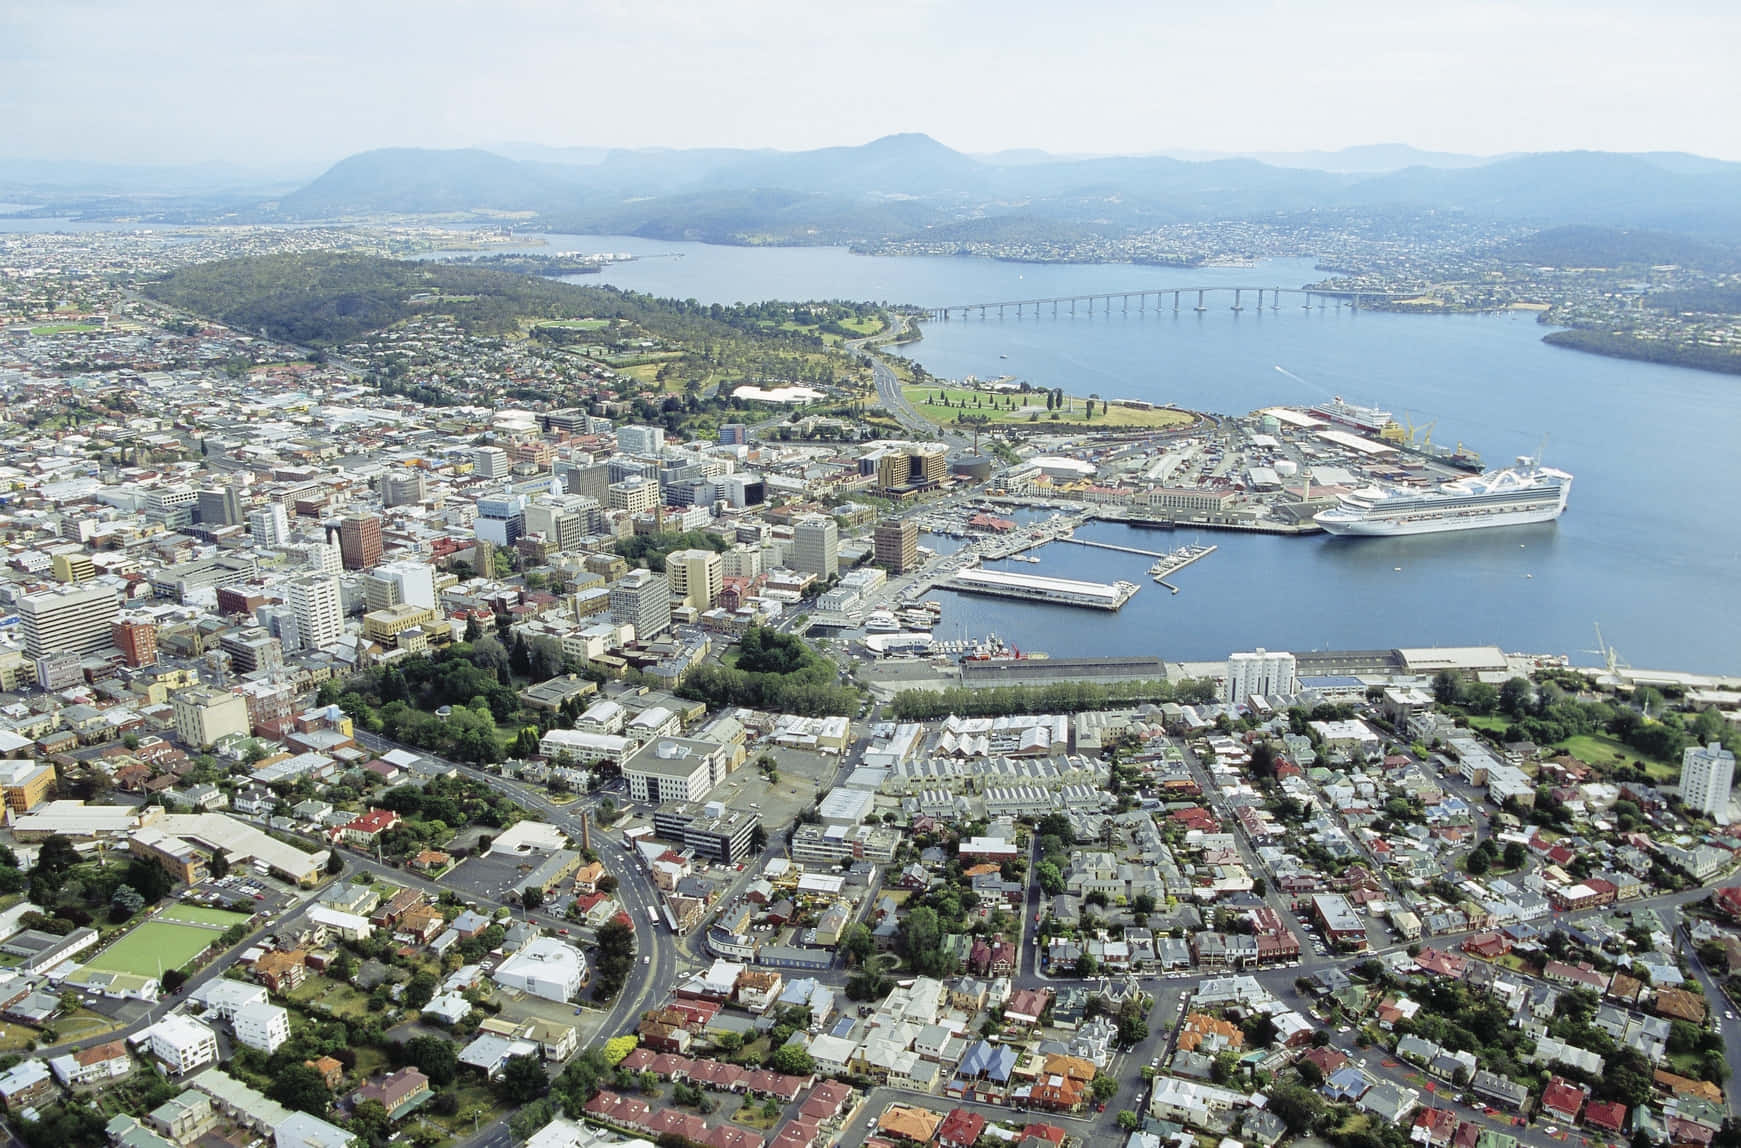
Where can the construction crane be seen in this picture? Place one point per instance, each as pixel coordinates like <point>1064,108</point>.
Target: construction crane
<point>1610,656</point>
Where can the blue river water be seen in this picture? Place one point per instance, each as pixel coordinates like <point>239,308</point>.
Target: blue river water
<point>1650,547</point>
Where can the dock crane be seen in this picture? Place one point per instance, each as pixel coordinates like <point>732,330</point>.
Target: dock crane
<point>1610,656</point>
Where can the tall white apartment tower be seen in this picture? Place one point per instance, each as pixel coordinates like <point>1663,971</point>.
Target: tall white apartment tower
<point>1259,672</point>
<point>317,612</point>
<point>1707,771</point>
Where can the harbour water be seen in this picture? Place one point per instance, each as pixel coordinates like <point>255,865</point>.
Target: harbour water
<point>1650,547</point>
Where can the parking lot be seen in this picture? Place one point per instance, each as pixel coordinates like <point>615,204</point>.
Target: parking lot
<point>802,774</point>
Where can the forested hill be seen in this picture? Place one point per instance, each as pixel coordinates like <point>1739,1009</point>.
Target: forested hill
<point>324,299</point>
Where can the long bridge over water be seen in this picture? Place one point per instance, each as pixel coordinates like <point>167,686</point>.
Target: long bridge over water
<point>1181,300</point>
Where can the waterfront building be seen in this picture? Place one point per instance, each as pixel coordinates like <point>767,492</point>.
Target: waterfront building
<point>1259,674</point>
<point>896,545</point>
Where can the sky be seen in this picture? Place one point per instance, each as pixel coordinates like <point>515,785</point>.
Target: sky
<point>279,86</point>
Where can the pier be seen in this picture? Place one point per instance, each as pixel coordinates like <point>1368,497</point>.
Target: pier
<point>1037,588</point>
<point>1112,546</point>
<point>1324,297</point>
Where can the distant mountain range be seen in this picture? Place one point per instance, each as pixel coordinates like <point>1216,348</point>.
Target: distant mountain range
<point>907,185</point>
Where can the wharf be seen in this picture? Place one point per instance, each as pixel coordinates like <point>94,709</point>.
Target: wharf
<point>1036,588</point>
<point>1178,560</point>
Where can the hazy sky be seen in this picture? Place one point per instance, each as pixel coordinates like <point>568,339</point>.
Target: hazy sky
<point>310,81</point>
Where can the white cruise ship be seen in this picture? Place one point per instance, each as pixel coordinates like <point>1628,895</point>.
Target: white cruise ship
<point>1515,496</point>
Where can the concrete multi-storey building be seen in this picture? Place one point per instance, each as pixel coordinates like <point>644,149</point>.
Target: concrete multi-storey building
<point>1260,673</point>
<point>674,769</point>
<point>360,541</point>
<point>74,619</point>
<point>696,577</point>
<point>203,717</point>
<point>1707,772</point>
<point>25,784</point>
<point>896,545</point>
<point>316,613</point>
<point>406,487</point>
<point>269,526</point>
<point>182,1043</point>
<point>641,440</point>
<point>490,462</point>
<point>635,495</point>
<point>816,546</point>
<point>642,599</point>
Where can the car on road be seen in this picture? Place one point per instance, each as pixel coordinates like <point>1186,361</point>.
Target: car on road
<point>1728,1014</point>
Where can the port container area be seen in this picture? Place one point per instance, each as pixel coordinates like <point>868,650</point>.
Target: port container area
<point>1038,588</point>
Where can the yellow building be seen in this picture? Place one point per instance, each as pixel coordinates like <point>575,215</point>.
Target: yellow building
<point>203,717</point>
<point>25,784</point>
<point>403,626</point>
<point>73,568</point>
<point>696,577</point>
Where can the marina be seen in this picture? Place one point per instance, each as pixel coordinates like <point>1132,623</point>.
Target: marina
<point>1177,561</point>
<point>1108,596</point>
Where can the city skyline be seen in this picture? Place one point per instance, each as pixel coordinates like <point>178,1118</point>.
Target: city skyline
<point>282,93</point>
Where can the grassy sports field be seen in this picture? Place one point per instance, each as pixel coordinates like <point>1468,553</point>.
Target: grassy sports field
<point>154,948</point>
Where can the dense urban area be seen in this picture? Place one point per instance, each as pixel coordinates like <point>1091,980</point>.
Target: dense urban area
<point>446,706</point>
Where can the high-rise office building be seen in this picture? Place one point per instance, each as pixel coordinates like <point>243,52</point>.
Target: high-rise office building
<point>220,507</point>
<point>743,560</point>
<point>636,495</point>
<point>696,577</point>
<point>501,519</point>
<point>73,568</point>
<point>269,526</point>
<point>895,545</point>
<point>641,440</point>
<point>592,479</point>
<point>733,434</point>
<point>136,638</point>
<point>642,599</point>
<point>1259,673</point>
<point>316,611</point>
<point>413,583</point>
<point>816,546</point>
<point>490,462</point>
<point>360,541</point>
<point>746,489</point>
<point>320,557</point>
<point>75,619</point>
<point>1707,772</point>
<point>406,487</point>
